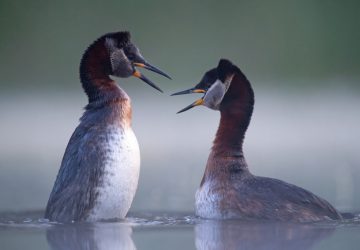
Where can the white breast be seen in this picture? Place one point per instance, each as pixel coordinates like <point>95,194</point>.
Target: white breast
<point>207,202</point>
<point>121,174</point>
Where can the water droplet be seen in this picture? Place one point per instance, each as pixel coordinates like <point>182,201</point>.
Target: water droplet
<point>43,220</point>
<point>27,220</point>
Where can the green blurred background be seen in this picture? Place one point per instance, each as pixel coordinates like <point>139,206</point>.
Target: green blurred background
<point>302,57</point>
<point>42,41</point>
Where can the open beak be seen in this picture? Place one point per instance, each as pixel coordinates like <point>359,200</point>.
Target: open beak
<point>148,66</point>
<point>145,79</point>
<point>189,91</point>
<point>194,104</point>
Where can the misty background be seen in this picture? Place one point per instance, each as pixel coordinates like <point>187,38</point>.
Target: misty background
<point>302,58</point>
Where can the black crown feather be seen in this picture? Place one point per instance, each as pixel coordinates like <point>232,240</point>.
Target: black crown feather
<point>122,38</point>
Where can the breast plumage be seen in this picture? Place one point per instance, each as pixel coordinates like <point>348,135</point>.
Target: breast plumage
<point>120,176</point>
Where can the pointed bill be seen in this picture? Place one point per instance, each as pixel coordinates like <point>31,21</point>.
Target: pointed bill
<point>145,79</point>
<point>194,104</point>
<point>148,66</point>
<point>189,91</point>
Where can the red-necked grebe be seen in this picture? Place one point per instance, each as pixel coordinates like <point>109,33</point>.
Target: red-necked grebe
<point>228,189</point>
<point>99,171</point>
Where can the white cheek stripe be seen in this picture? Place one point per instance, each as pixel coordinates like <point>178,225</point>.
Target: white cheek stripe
<point>227,82</point>
<point>214,95</point>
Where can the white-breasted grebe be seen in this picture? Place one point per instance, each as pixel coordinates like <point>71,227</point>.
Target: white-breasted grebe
<point>99,171</point>
<point>228,189</point>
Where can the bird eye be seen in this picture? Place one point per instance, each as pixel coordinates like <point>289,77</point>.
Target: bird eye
<point>130,57</point>
<point>129,53</point>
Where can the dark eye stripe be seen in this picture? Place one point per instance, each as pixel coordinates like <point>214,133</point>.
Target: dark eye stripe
<point>130,56</point>
<point>129,52</point>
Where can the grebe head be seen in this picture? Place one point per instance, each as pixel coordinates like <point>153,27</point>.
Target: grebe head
<point>125,57</point>
<point>214,85</point>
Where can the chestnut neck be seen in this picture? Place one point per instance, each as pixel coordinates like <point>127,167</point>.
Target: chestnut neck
<point>95,68</point>
<point>236,109</point>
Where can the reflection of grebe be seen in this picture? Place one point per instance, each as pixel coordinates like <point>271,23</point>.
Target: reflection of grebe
<point>101,236</point>
<point>233,234</point>
<point>99,172</point>
<point>228,189</point>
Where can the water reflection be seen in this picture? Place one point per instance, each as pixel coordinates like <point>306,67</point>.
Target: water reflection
<point>101,236</point>
<point>213,235</point>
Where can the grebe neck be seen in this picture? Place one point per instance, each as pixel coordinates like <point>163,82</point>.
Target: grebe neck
<point>236,109</point>
<point>95,68</point>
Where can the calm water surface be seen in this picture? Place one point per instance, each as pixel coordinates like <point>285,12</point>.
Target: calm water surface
<point>312,144</point>
<point>28,230</point>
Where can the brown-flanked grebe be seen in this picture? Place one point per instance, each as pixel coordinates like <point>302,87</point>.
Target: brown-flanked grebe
<point>228,189</point>
<point>99,171</point>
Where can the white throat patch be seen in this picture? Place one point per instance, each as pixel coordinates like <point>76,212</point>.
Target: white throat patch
<point>216,92</point>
